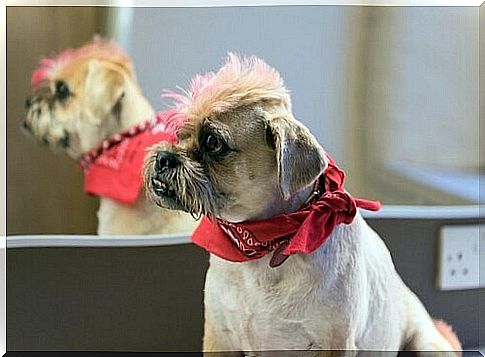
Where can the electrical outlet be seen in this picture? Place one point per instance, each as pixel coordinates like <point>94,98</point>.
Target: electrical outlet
<point>459,252</point>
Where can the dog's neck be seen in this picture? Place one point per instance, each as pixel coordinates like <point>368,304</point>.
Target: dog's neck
<point>290,205</point>
<point>130,110</point>
<point>275,206</point>
<point>134,108</point>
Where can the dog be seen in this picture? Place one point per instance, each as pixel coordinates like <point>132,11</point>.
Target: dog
<point>84,101</point>
<point>293,264</point>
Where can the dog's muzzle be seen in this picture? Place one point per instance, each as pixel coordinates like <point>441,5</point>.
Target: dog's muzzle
<point>165,162</point>
<point>174,181</point>
<point>39,122</point>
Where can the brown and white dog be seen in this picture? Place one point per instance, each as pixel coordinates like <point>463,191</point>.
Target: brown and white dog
<point>83,97</point>
<point>244,161</point>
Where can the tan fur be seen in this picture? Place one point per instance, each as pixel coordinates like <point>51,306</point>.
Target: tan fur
<point>246,177</point>
<point>106,99</point>
<point>297,160</point>
<point>345,295</point>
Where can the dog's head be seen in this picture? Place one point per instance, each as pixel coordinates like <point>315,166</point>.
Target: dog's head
<point>240,151</point>
<point>75,97</point>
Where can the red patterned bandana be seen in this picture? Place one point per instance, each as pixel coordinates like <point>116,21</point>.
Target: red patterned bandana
<point>114,169</point>
<point>302,231</point>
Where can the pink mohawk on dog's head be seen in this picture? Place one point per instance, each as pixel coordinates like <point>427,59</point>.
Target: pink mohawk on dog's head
<point>239,82</point>
<point>97,48</point>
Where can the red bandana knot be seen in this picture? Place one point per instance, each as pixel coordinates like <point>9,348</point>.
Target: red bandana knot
<point>302,231</point>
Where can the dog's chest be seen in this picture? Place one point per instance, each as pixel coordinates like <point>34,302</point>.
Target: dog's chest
<point>264,308</point>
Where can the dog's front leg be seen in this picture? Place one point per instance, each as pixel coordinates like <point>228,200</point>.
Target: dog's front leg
<point>213,344</point>
<point>211,341</point>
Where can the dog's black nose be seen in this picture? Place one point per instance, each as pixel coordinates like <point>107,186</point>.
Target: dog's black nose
<point>64,141</point>
<point>166,160</point>
<point>28,102</point>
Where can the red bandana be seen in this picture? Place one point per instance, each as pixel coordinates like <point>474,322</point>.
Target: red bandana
<point>302,231</point>
<point>114,169</point>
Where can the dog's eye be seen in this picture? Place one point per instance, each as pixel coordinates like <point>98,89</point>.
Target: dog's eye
<point>212,143</point>
<point>62,90</point>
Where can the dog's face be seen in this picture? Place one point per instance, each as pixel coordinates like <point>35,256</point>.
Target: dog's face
<point>236,165</point>
<point>74,108</point>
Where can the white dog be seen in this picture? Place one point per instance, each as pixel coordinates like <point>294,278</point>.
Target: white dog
<point>87,102</point>
<point>294,266</point>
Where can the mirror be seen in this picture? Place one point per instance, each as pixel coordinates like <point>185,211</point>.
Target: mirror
<point>391,92</point>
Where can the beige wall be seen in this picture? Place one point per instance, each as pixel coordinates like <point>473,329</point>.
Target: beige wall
<point>420,102</point>
<point>44,191</point>
<point>424,90</point>
<point>482,90</point>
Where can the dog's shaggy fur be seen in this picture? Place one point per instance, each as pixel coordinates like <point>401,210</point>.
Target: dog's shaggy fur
<point>241,156</point>
<point>82,97</point>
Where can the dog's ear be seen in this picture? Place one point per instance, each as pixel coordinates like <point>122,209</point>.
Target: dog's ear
<point>300,158</point>
<point>104,87</point>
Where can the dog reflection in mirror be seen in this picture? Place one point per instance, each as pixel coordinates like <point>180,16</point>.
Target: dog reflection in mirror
<point>83,97</point>
<point>241,156</point>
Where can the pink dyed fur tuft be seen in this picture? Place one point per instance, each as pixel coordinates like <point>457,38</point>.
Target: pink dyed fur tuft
<point>448,333</point>
<point>97,47</point>
<point>170,121</point>
<point>240,81</point>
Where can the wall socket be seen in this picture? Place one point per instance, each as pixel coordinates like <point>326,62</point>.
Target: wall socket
<point>459,265</point>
